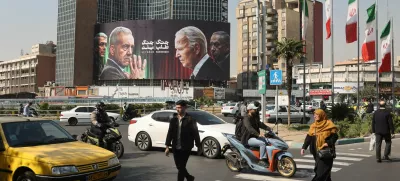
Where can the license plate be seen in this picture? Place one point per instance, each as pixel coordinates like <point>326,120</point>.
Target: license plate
<point>97,176</point>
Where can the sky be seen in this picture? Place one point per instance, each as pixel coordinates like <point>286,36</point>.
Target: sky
<point>36,22</point>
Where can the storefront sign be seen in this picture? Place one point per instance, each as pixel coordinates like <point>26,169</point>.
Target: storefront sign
<point>346,87</point>
<point>320,92</point>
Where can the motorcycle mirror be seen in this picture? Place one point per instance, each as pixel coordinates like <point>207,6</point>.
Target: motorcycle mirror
<point>75,136</point>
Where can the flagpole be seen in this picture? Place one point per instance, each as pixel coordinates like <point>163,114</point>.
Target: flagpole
<point>376,52</point>
<point>358,56</point>
<point>332,57</point>
<point>392,58</point>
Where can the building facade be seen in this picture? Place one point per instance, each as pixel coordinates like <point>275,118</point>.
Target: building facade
<point>28,72</point>
<point>283,20</point>
<point>76,20</point>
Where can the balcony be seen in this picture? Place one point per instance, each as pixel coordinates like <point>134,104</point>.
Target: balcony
<point>340,69</point>
<point>369,79</point>
<point>299,81</point>
<point>340,79</point>
<point>271,36</point>
<point>270,10</point>
<point>268,53</point>
<point>315,80</point>
<point>271,27</point>
<point>271,19</point>
<point>370,68</point>
<point>326,70</point>
<point>270,44</point>
<point>354,69</point>
<point>326,80</point>
<point>354,79</point>
<point>314,70</point>
<point>386,79</point>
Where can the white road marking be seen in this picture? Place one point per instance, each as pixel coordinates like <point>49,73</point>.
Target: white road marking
<point>262,177</point>
<point>340,158</point>
<point>313,161</point>
<point>359,148</point>
<point>353,154</point>
<point>334,169</point>
<point>352,149</point>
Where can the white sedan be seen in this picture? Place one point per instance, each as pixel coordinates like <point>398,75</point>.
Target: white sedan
<point>151,131</point>
<point>82,114</point>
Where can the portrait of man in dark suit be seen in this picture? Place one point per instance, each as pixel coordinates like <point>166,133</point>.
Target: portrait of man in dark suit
<point>220,50</point>
<point>121,56</point>
<point>191,50</point>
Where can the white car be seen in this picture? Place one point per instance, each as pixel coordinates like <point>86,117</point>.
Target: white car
<point>81,114</point>
<point>151,131</point>
<point>230,109</point>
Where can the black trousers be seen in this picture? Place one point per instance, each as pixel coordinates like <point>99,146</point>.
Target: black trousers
<point>100,132</point>
<point>322,169</point>
<point>388,141</point>
<point>181,158</point>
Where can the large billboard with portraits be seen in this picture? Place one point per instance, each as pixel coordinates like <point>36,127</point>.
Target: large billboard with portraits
<point>162,49</point>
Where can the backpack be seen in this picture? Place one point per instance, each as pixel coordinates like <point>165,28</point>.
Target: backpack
<point>239,129</point>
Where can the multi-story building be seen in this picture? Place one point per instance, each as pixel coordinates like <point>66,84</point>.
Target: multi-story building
<point>28,72</point>
<point>319,80</point>
<point>283,20</point>
<point>76,20</point>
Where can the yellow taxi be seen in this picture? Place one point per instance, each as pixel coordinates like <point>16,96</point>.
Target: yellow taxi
<point>41,150</point>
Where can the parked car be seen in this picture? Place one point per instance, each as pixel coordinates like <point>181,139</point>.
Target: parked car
<point>230,109</point>
<point>296,116</point>
<point>35,149</point>
<point>81,114</point>
<point>151,131</point>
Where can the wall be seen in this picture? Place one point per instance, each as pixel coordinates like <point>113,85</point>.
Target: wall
<point>142,91</point>
<point>318,32</point>
<point>45,70</point>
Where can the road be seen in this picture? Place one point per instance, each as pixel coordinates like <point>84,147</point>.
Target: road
<point>354,162</point>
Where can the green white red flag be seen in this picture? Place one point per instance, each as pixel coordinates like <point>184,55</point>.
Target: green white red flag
<point>328,10</point>
<point>304,17</point>
<point>386,49</point>
<point>351,25</point>
<point>368,47</point>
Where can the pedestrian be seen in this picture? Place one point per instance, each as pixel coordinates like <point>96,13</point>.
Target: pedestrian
<point>323,106</point>
<point>382,127</point>
<point>321,136</point>
<point>182,132</point>
<point>243,109</point>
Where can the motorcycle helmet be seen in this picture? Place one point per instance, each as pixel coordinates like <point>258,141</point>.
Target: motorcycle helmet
<point>100,106</point>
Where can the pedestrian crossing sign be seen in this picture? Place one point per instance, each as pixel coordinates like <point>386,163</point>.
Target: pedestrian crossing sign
<point>275,77</point>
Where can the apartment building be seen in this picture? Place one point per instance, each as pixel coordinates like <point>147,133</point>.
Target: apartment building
<point>283,20</point>
<point>28,72</point>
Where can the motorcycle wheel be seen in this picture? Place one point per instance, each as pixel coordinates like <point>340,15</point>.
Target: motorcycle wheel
<point>118,149</point>
<point>286,167</point>
<point>231,165</point>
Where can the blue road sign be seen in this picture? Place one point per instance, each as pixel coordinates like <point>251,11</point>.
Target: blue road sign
<point>275,77</point>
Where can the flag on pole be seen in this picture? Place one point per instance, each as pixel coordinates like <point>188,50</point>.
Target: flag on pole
<point>368,47</point>
<point>328,10</point>
<point>386,49</point>
<point>351,25</point>
<point>304,20</point>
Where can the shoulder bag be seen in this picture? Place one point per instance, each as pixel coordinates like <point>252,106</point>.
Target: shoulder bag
<point>325,153</point>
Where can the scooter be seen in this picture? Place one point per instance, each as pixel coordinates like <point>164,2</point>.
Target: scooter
<point>238,156</point>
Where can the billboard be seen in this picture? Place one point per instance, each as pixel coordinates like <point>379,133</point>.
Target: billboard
<point>162,49</point>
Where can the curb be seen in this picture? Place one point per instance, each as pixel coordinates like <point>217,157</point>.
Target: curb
<point>345,141</point>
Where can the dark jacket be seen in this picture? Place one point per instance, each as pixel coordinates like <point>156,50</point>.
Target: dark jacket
<point>251,128</point>
<point>382,122</point>
<point>189,133</point>
<point>99,117</point>
<point>224,65</point>
<point>209,71</point>
<point>370,108</point>
<point>112,71</point>
<point>311,141</point>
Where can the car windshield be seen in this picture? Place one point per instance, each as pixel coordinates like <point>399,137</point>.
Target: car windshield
<point>34,133</point>
<point>205,118</point>
<point>270,108</point>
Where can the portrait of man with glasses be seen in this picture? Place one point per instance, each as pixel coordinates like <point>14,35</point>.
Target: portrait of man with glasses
<point>121,57</point>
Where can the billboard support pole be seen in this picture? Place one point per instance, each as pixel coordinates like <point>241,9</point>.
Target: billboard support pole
<point>261,48</point>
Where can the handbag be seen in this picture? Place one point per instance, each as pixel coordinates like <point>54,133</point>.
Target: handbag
<point>325,153</point>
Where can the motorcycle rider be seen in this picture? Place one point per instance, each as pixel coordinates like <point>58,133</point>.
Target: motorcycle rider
<point>99,119</point>
<point>251,135</point>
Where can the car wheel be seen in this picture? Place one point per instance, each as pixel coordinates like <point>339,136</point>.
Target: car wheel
<point>72,121</point>
<point>26,176</point>
<point>211,148</point>
<point>225,115</point>
<point>143,141</point>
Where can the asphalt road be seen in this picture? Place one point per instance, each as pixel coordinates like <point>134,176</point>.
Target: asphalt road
<point>354,162</point>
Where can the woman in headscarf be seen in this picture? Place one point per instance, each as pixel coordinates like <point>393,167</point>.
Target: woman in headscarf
<point>322,134</point>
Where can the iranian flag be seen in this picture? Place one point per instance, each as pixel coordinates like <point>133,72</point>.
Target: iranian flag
<point>304,19</point>
<point>328,10</point>
<point>368,47</point>
<point>386,49</point>
<point>351,25</point>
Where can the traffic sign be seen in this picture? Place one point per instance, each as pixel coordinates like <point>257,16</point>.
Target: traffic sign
<point>262,82</point>
<point>275,77</point>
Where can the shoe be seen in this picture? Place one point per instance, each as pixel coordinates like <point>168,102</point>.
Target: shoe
<point>190,178</point>
<point>387,158</point>
<point>379,161</point>
<point>262,163</point>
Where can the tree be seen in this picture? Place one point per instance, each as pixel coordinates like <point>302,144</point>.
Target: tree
<point>289,49</point>
<point>368,92</point>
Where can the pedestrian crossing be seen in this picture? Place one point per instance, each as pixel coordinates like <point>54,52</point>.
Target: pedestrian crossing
<point>305,167</point>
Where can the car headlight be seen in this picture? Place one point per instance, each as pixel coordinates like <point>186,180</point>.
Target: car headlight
<point>64,170</point>
<point>113,161</point>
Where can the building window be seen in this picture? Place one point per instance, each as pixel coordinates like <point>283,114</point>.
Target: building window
<point>244,51</point>
<point>254,34</point>
<point>244,43</point>
<point>254,26</point>
<point>254,18</point>
<point>244,27</point>
<point>253,10</point>
<point>241,11</point>
<point>254,50</point>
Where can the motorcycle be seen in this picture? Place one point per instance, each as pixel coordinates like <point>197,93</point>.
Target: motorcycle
<point>240,157</point>
<point>112,139</point>
<point>33,112</point>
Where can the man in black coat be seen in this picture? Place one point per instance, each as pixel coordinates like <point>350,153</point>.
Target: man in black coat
<point>220,49</point>
<point>183,132</point>
<point>382,126</point>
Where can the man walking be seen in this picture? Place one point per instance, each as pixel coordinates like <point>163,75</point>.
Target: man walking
<point>183,132</point>
<point>382,126</point>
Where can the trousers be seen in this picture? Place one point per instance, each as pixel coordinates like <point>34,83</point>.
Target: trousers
<point>181,158</point>
<point>322,169</point>
<point>388,141</point>
<point>259,142</point>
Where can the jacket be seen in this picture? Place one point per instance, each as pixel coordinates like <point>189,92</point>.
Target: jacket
<point>382,122</point>
<point>311,141</point>
<point>189,133</point>
<point>99,117</point>
<point>251,128</point>
<point>209,71</point>
<point>112,71</point>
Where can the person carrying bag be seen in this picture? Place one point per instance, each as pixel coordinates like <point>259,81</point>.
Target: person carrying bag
<point>321,138</point>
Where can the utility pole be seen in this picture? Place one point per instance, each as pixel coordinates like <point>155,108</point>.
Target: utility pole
<point>261,47</point>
